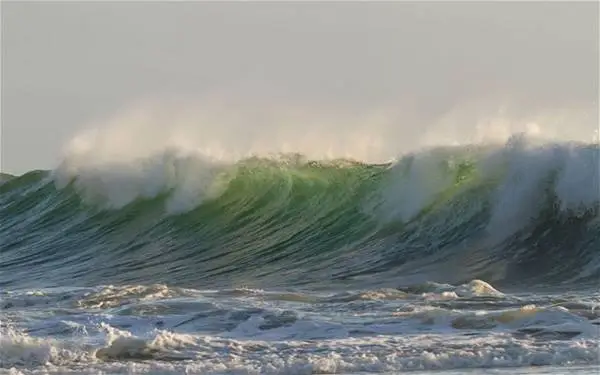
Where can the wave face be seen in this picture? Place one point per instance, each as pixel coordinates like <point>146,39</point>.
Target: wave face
<point>521,213</point>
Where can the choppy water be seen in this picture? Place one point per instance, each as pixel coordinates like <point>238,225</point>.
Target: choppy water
<point>467,258</point>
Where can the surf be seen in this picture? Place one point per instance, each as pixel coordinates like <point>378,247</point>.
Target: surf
<point>523,211</point>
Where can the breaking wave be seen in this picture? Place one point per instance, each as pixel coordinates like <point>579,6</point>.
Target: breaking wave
<point>519,212</point>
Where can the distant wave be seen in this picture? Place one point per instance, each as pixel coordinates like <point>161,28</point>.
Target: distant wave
<point>4,177</point>
<point>522,212</point>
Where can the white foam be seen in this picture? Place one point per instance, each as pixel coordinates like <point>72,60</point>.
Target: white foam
<point>363,331</point>
<point>525,172</point>
<point>163,352</point>
<point>113,296</point>
<point>156,146</point>
<point>578,186</point>
<point>19,349</point>
<point>407,192</point>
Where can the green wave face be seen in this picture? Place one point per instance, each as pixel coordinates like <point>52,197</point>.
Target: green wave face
<point>507,215</point>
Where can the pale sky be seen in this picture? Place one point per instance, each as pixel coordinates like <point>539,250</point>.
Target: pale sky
<point>67,64</point>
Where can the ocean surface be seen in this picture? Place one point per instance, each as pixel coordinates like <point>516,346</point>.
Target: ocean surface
<point>479,259</point>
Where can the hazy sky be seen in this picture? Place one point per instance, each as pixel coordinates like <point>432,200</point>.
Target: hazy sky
<point>66,64</point>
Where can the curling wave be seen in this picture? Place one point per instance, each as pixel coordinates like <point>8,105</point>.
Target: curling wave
<point>521,212</point>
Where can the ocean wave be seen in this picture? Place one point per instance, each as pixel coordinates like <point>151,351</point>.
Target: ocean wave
<point>524,211</point>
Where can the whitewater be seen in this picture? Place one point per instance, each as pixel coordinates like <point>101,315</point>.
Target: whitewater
<point>153,257</point>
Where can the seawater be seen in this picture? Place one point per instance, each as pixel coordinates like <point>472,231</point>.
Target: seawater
<point>473,259</point>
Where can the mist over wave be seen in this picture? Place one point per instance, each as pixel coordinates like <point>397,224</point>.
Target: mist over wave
<point>139,201</point>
